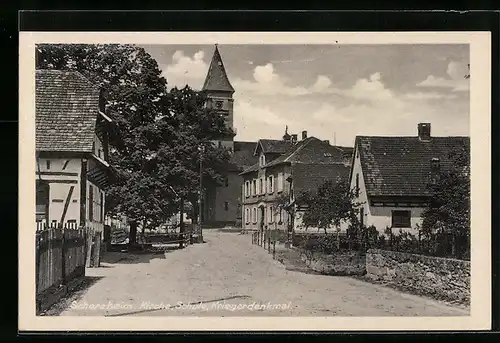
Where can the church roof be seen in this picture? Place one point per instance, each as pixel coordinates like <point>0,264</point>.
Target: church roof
<point>217,79</point>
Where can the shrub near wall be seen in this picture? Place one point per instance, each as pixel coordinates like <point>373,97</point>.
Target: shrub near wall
<point>439,278</point>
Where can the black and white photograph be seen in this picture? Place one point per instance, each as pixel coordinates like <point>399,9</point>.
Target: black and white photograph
<point>214,178</point>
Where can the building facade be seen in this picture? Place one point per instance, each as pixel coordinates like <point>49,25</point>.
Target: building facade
<point>286,168</point>
<point>391,175</point>
<point>72,150</point>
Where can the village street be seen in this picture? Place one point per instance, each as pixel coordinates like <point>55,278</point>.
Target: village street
<point>229,271</point>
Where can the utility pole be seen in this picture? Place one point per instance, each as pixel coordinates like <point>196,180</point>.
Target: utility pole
<point>202,150</point>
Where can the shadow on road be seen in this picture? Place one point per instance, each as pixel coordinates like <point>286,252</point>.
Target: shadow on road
<point>74,296</point>
<point>170,307</point>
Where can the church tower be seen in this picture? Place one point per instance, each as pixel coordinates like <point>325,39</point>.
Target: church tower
<point>220,92</point>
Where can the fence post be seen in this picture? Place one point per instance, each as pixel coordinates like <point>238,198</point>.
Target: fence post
<point>274,250</point>
<point>63,255</point>
<point>37,265</point>
<point>268,243</point>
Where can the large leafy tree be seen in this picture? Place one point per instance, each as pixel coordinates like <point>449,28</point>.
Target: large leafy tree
<point>449,209</point>
<point>155,133</point>
<point>332,204</point>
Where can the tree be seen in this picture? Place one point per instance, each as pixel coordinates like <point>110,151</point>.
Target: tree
<point>333,203</point>
<point>449,208</point>
<point>155,133</point>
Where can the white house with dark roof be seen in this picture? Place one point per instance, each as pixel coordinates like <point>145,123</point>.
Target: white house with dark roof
<point>71,150</point>
<point>391,175</point>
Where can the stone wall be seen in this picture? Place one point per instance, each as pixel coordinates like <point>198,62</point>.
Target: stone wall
<point>340,263</point>
<point>439,278</point>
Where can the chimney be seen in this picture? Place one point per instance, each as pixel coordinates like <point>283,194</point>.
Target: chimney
<point>304,135</point>
<point>424,131</point>
<point>294,138</point>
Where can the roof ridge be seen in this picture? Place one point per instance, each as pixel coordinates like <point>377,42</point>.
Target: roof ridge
<point>299,148</point>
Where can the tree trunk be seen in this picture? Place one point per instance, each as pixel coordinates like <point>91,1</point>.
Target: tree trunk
<point>132,236</point>
<point>181,222</point>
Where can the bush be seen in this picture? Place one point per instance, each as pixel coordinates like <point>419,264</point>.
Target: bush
<point>362,239</point>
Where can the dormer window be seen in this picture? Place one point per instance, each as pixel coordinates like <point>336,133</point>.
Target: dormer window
<point>262,160</point>
<point>435,164</point>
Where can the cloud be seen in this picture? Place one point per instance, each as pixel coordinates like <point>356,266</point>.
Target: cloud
<point>456,78</point>
<point>257,121</point>
<point>322,83</point>
<point>267,82</point>
<point>429,96</point>
<point>186,70</point>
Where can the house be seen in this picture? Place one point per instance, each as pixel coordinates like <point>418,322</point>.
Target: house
<point>221,205</point>
<point>286,168</point>
<point>71,150</point>
<point>391,174</point>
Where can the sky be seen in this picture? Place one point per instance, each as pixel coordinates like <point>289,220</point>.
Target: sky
<point>334,92</point>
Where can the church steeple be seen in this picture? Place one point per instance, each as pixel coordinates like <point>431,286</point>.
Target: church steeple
<point>217,79</point>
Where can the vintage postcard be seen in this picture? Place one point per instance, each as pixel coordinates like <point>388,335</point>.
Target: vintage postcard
<point>254,181</point>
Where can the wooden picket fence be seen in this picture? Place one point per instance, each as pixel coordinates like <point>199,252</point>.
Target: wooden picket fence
<point>61,255</point>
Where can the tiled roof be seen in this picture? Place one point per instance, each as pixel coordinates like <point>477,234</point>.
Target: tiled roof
<point>250,169</point>
<point>273,146</point>
<point>312,151</point>
<point>67,106</point>
<point>309,177</point>
<point>400,166</point>
<point>217,79</point>
<point>243,154</point>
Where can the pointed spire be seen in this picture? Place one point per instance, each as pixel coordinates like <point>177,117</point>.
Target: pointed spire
<point>217,79</point>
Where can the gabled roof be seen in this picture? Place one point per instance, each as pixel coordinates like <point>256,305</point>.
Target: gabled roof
<point>400,166</point>
<point>250,169</point>
<point>272,146</point>
<point>311,151</point>
<point>309,177</point>
<point>217,79</point>
<point>67,107</point>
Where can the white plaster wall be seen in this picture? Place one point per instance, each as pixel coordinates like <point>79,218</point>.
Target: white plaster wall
<point>58,192</point>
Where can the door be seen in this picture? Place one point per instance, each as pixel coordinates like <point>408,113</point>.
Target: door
<point>262,216</point>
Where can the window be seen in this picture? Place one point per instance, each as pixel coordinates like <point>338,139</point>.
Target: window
<point>42,201</point>
<point>271,214</point>
<point>261,183</point>
<point>226,206</point>
<point>91,203</point>
<point>262,160</point>
<point>280,182</point>
<point>254,215</point>
<point>254,187</point>
<point>281,216</point>
<point>102,207</point>
<point>401,219</point>
<point>271,184</point>
<point>247,216</point>
<point>48,164</point>
<point>357,185</point>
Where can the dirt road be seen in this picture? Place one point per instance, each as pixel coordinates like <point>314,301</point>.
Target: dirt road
<point>228,276</point>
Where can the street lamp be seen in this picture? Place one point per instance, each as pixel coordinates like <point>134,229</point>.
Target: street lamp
<point>201,149</point>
